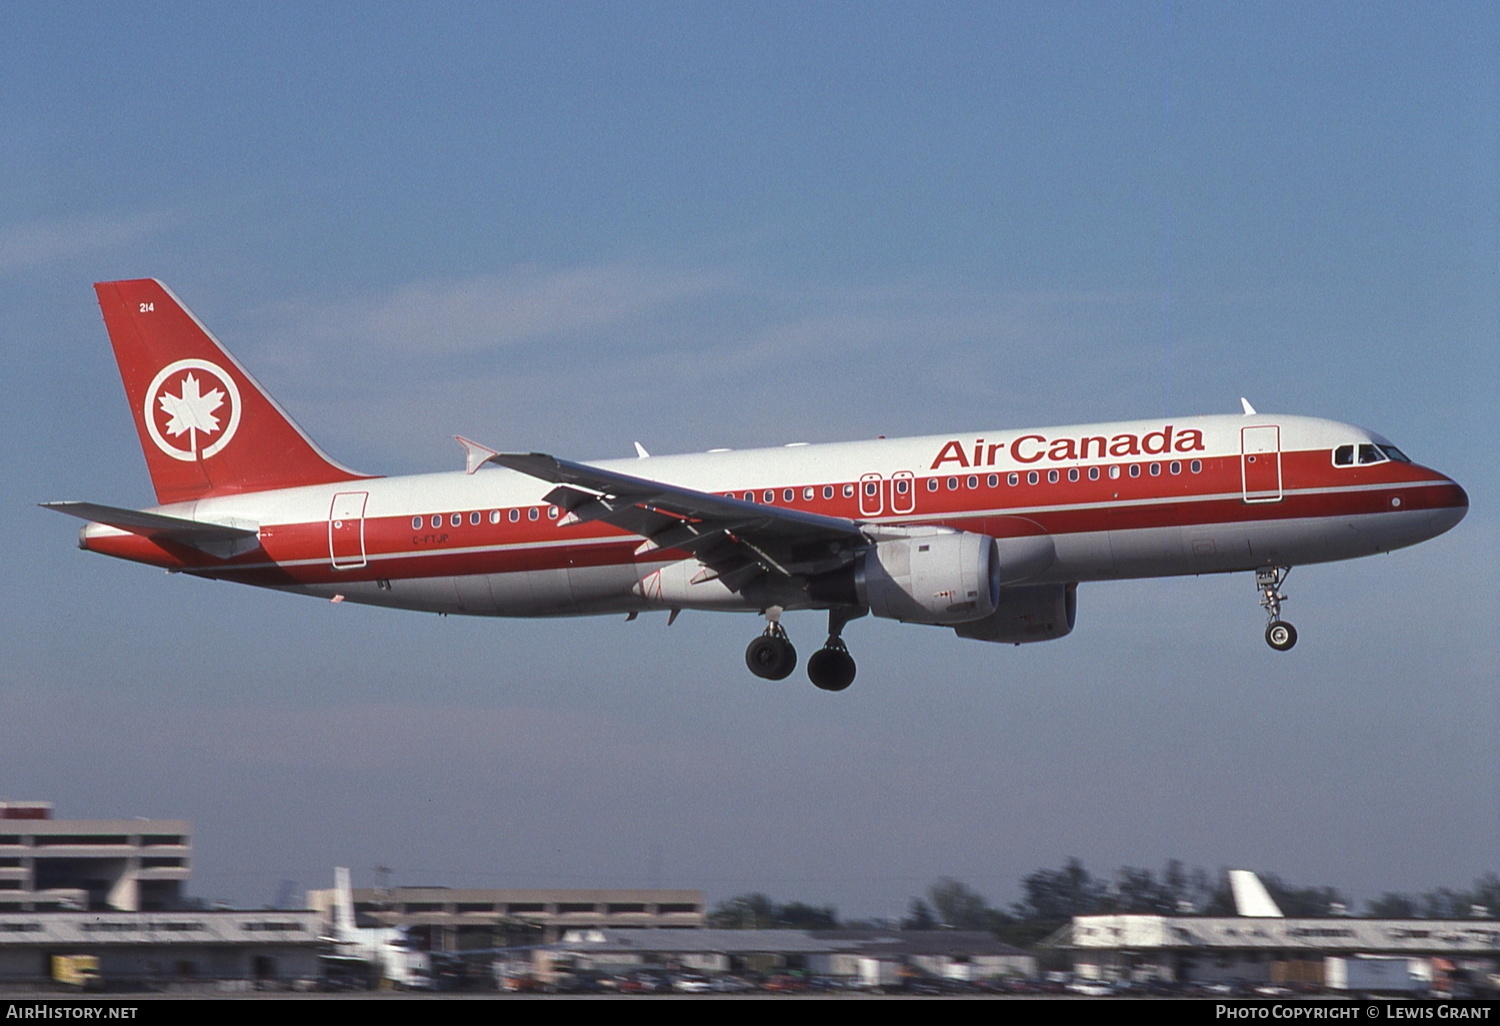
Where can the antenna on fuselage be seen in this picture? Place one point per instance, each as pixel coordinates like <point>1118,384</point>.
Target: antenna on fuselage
<point>1249,410</point>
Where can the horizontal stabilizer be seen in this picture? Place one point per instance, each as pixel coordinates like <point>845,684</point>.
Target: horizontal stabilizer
<point>217,539</point>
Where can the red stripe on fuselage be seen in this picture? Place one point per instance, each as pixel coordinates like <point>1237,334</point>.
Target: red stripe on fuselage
<point>294,554</point>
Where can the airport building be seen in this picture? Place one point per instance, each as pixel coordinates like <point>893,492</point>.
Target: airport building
<point>163,950</point>
<point>447,919</point>
<point>1261,946</point>
<point>130,865</point>
<point>109,894</point>
<point>1230,949</point>
<point>848,954</point>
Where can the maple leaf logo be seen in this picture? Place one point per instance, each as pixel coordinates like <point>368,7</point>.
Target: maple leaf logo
<point>197,419</point>
<point>191,411</point>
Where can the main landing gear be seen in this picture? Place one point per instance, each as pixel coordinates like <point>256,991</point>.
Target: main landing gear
<point>831,668</point>
<point>771,656</point>
<point>1280,635</point>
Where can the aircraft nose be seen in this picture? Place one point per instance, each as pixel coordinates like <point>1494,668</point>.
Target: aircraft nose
<point>1455,506</point>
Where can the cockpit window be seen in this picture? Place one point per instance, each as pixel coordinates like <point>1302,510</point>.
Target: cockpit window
<point>1348,455</point>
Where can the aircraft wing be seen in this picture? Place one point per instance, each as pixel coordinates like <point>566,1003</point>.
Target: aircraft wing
<point>736,540</point>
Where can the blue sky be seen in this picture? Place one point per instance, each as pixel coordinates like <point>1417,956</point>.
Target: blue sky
<point>568,227</point>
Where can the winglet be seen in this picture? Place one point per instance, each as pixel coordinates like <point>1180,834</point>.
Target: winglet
<point>475,455</point>
<point>1249,410</point>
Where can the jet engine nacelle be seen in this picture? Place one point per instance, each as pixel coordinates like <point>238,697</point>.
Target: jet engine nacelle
<point>936,578</point>
<point>1036,612</point>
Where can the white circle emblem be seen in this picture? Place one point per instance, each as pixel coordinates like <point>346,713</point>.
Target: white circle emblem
<point>192,409</point>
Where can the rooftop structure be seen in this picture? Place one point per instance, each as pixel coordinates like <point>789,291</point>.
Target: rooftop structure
<point>58,864</point>
<point>191,947</point>
<point>454,919</point>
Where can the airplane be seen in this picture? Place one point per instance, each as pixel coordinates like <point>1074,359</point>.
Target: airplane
<point>989,533</point>
<point>387,950</point>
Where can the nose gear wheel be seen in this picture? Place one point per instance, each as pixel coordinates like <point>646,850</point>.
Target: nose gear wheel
<point>1280,635</point>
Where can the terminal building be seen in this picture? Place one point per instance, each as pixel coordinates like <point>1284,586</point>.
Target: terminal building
<point>447,919</point>
<point>112,892</point>
<point>129,865</point>
<point>1261,946</point>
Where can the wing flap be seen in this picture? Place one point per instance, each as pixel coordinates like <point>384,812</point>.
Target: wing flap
<point>736,541</point>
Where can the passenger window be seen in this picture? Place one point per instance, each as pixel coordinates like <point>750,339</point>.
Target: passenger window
<point>932,484</point>
<point>1093,473</point>
<point>1156,470</point>
<point>1072,473</point>
<point>768,495</point>
<point>1175,467</point>
<point>551,512</point>
<point>871,488</point>
<point>1052,476</point>
<point>532,514</point>
<point>1196,466</point>
<point>494,516</point>
<point>474,519</point>
<point>1114,472</point>
<point>953,484</point>
<point>972,482</point>
<point>1033,477</point>
<point>828,491</point>
<point>788,494</point>
<point>437,520</point>
<point>902,486</point>
<point>515,515</point>
<point>1135,470</point>
<point>808,494</point>
<point>1013,479</point>
<point>993,481</point>
<point>848,491</point>
<point>416,523</point>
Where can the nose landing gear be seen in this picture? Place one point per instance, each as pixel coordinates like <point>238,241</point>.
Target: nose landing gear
<point>1280,635</point>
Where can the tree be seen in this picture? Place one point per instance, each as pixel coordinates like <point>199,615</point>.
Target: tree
<point>1058,895</point>
<point>958,907</point>
<point>795,915</point>
<point>1392,906</point>
<point>745,912</point>
<point>919,916</point>
<point>758,912</point>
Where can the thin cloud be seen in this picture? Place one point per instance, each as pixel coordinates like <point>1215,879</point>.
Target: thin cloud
<point>502,310</point>
<point>46,242</point>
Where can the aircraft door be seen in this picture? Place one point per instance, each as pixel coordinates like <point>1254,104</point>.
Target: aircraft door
<point>1260,463</point>
<point>871,495</point>
<point>346,530</point>
<point>903,492</point>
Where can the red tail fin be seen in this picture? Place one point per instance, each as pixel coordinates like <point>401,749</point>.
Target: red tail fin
<point>206,426</point>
